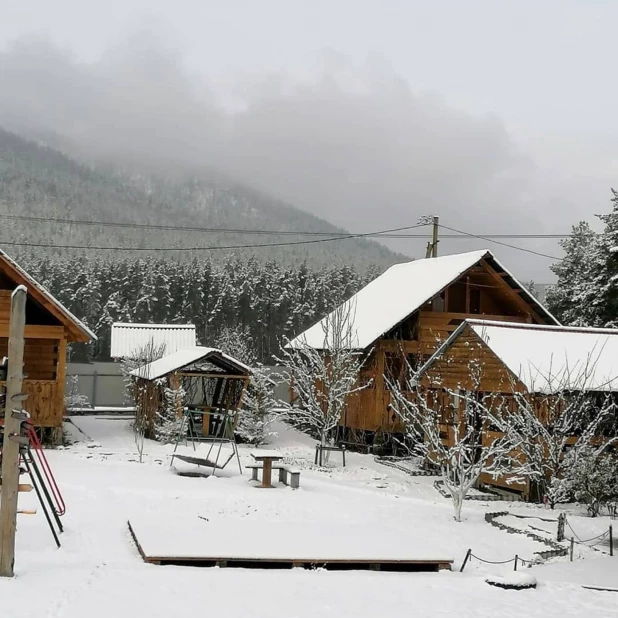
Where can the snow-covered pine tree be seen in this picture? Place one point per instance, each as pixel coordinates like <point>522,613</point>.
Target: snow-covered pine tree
<point>257,407</point>
<point>606,280</point>
<point>575,298</point>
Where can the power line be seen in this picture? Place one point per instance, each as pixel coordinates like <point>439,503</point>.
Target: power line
<point>504,244</point>
<point>210,248</point>
<point>163,227</point>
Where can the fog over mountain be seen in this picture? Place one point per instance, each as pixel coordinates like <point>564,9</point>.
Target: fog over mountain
<point>352,142</point>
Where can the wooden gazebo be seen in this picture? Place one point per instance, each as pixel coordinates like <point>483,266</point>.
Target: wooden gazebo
<point>211,384</point>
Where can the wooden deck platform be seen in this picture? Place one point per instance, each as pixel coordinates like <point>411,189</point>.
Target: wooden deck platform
<point>271,545</point>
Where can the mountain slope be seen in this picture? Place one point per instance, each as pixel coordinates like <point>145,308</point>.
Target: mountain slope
<point>38,181</point>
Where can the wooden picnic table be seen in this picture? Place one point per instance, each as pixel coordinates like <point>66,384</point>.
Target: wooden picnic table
<point>267,458</point>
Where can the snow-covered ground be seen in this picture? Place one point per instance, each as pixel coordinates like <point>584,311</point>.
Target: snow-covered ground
<point>98,572</point>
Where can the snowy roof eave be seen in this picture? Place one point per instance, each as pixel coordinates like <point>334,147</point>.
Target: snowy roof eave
<point>42,290</point>
<point>546,358</point>
<point>403,289</point>
<point>184,358</point>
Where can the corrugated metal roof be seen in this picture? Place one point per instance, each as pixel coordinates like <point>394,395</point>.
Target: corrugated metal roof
<point>399,292</point>
<point>129,339</point>
<point>187,357</point>
<point>548,359</point>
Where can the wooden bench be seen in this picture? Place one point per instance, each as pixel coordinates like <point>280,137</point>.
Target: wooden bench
<point>287,475</point>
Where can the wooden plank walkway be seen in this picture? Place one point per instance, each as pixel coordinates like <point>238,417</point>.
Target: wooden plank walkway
<point>274,560</point>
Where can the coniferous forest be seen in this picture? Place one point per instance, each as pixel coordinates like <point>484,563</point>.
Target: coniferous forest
<point>270,300</point>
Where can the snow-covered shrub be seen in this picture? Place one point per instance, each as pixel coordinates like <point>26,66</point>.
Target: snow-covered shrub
<point>591,477</point>
<point>74,399</point>
<point>169,419</point>
<point>257,410</point>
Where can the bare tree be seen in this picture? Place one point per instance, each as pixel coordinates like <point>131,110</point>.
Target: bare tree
<point>449,428</point>
<point>323,379</point>
<point>563,412</point>
<point>136,394</point>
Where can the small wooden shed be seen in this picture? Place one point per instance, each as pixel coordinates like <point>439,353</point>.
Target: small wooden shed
<point>536,360</point>
<point>210,382</point>
<point>49,328</point>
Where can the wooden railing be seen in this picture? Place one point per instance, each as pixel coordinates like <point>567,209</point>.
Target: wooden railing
<point>42,403</point>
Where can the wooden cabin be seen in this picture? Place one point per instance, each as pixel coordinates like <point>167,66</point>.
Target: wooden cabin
<point>211,386</point>
<point>50,327</point>
<point>406,313</point>
<point>501,358</point>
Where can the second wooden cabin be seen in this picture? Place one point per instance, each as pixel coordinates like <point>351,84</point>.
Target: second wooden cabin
<point>541,363</point>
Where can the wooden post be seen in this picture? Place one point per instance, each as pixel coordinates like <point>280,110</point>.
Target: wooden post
<point>561,520</point>
<point>380,414</point>
<point>516,558</point>
<point>572,546</point>
<point>12,428</point>
<point>611,540</point>
<point>267,472</point>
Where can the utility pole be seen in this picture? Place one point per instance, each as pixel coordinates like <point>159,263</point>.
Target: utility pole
<point>432,246</point>
<point>434,237</point>
<point>12,433</point>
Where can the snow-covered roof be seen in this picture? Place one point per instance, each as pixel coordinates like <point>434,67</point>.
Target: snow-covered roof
<point>400,291</point>
<point>182,359</point>
<point>128,339</point>
<point>549,358</point>
<point>45,295</point>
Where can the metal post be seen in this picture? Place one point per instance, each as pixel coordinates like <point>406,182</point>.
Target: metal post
<point>572,546</point>
<point>515,567</point>
<point>95,375</point>
<point>12,430</point>
<point>611,540</point>
<point>468,554</point>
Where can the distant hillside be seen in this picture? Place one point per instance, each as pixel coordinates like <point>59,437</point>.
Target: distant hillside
<point>36,180</point>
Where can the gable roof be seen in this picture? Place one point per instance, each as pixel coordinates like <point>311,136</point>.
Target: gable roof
<point>182,359</point>
<point>403,289</point>
<point>77,329</point>
<point>128,339</point>
<point>547,359</point>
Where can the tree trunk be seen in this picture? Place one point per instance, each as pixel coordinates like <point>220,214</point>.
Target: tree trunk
<point>457,504</point>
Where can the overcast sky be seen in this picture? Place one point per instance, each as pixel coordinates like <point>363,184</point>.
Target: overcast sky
<point>498,116</point>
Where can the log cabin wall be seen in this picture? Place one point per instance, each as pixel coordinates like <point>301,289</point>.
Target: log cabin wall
<point>452,372</point>
<point>44,359</point>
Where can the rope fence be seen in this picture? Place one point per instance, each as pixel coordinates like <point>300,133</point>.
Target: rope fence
<point>516,561</point>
